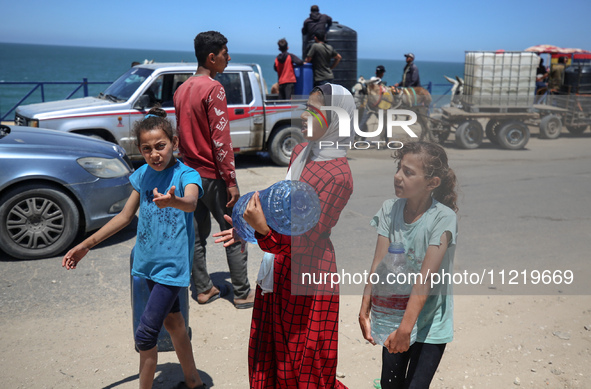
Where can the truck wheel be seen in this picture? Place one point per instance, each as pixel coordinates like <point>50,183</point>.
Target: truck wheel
<point>491,129</point>
<point>37,222</point>
<point>550,127</point>
<point>576,130</point>
<point>282,143</point>
<point>513,135</point>
<point>469,135</point>
<point>92,135</point>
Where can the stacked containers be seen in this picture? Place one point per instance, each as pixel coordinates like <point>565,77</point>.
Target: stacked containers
<point>499,80</point>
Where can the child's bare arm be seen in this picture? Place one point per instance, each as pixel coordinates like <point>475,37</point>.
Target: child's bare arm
<point>399,340</point>
<point>115,225</point>
<point>188,203</point>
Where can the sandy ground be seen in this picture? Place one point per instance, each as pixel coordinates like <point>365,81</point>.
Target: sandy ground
<point>73,330</point>
<point>500,343</point>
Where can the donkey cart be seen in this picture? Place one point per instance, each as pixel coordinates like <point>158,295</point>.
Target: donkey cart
<point>506,129</point>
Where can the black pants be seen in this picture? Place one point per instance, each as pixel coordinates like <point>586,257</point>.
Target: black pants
<point>413,369</point>
<point>286,91</point>
<point>213,203</point>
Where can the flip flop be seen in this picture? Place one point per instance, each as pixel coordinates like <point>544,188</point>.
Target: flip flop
<point>223,290</point>
<point>182,385</point>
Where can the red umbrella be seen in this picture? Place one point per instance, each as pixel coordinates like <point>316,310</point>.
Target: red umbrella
<point>551,49</point>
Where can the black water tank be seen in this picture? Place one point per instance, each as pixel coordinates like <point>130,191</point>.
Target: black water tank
<point>577,78</point>
<point>344,41</point>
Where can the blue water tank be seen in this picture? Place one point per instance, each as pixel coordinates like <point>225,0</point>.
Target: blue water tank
<point>305,79</point>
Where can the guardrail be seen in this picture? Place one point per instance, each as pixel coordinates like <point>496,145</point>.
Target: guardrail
<point>41,86</point>
<point>84,86</point>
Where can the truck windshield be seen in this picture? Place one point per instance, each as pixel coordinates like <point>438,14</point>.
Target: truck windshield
<point>123,88</point>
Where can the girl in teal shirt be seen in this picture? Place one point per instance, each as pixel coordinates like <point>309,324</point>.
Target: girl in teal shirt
<point>423,217</point>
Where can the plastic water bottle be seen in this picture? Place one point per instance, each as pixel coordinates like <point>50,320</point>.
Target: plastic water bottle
<point>388,297</point>
<point>290,207</point>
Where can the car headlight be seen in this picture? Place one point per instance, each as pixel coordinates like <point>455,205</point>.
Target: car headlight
<point>33,123</point>
<point>103,167</point>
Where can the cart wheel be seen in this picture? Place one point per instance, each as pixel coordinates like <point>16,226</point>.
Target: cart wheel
<point>438,128</point>
<point>513,135</point>
<point>491,129</point>
<point>469,135</point>
<point>550,127</point>
<point>576,130</point>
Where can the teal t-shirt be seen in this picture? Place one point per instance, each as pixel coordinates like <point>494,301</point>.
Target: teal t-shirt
<point>435,322</point>
<point>164,249</point>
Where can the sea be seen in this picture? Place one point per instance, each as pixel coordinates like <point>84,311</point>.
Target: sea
<point>45,63</point>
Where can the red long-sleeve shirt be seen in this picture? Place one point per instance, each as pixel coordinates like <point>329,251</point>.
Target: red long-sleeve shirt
<point>203,127</point>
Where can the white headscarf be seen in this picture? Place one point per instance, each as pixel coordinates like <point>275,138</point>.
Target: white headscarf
<point>335,96</point>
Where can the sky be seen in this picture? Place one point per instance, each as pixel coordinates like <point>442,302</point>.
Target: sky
<point>433,30</point>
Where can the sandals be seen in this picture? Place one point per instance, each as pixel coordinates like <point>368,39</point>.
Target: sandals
<point>223,290</point>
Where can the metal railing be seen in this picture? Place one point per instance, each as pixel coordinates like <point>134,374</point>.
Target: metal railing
<point>41,87</point>
<point>84,86</point>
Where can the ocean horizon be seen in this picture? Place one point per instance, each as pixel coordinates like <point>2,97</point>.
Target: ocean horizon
<point>50,63</point>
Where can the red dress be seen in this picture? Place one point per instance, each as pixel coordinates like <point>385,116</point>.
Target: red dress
<point>294,332</point>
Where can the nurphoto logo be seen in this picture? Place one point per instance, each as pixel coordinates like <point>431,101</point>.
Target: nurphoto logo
<point>392,120</point>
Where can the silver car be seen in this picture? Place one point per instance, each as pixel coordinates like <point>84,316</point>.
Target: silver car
<point>56,186</point>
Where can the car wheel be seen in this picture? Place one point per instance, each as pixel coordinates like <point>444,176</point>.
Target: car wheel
<point>513,135</point>
<point>491,129</point>
<point>282,144</point>
<point>37,222</point>
<point>550,127</point>
<point>469,135</point>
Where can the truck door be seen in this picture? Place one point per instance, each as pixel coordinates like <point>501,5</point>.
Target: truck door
<point>238,108</point>
<point>161,91</point>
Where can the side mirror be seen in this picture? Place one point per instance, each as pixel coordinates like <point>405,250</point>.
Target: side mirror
<point>142,102</point>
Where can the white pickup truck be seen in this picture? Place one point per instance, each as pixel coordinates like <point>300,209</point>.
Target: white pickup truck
<point>256,122</point>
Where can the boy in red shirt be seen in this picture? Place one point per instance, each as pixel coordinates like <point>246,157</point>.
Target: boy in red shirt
<point>204,134</point>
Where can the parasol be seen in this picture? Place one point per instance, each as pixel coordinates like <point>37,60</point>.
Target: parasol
<point>551,49</point>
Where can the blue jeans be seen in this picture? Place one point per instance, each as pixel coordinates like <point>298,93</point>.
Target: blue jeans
<point>421,359</point>
<point>164,299</point>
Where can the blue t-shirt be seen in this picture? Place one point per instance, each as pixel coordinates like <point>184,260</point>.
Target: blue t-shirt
<point>435,322</point>
<point>163,251</point>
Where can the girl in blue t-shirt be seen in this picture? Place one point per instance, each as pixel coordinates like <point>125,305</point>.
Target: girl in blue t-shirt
<point>166,193</point>
<point>423,217</point>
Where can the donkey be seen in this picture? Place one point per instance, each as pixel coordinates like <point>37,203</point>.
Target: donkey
<point>457,90</point>
<point>417,99</point>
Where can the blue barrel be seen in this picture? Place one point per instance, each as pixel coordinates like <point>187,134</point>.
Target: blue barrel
<point>139,298</point>
<point>304,79</point>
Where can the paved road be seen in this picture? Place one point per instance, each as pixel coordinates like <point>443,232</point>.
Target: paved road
<point>519,210</point>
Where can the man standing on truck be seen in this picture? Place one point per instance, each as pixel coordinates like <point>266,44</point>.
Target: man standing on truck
<point>284,68</point>
<point>317,22</point>
<point>321,55</point>
<point>204,133</point>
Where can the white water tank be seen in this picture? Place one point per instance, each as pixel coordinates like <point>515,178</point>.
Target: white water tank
<point>496,80</point>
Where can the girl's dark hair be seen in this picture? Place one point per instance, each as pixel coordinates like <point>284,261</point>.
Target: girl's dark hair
<point>434,165</point>
<point>155,119</point>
